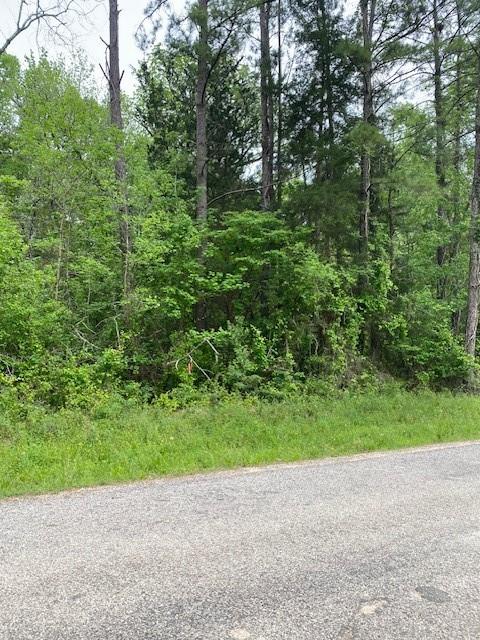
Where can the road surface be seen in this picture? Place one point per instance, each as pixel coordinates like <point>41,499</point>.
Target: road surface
<point>380,546</point>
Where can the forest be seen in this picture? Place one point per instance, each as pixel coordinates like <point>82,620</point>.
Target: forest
<point>287,204</point>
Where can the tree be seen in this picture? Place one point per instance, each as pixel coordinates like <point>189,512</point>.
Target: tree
<point>266,109</point>
<point>440,125</point>
<point>474,266</point>
<point>168,89</point>
<point>384,27</point>
<point>368,16</point>
<point>167,92</point>
<point>114,78</point>
<point>319,94</point>
<point>203,55</point>
<point>443,63</point>
<point>64,191</point>
<point>279,101</point>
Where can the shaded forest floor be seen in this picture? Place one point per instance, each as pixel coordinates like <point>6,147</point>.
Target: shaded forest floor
<point>116,442</point>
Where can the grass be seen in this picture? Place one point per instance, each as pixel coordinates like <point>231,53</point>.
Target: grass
<point>50,452</point>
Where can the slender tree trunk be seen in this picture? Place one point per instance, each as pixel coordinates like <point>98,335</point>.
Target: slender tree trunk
<point>474,270</point>
<point>440,163</point>
<point>114,68</point>
<point>321,164</point>
<point>59,259</point>
<point>279,105</point>
<point>320,154</point>
<point>201,112</point>
<point>114,81</point>
<point>266,99</point>
<point>368,15</point>
<point>327,73</point>
<point>391,226</point>
<point>457,158</point>
<point>458,121</point>
<point>201,160</point>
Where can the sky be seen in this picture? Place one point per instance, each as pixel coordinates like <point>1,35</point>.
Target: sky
<point>87,35</point>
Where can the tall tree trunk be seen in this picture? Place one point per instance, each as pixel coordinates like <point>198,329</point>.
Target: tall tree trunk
<point>201,112</point>
<point>59,258</point>
<point>279,104</point>
<point>391,226</point>
<point>321,161</point>
<point>458,120</point>
<point>266,100</point>
<point>201,160</point>
<point>457,158</point>
<point>320,117</point>
<point>440,163</point>
<point>367,8</point>
<point>114,81</point>
<point>327,81</point>
<point>474,269</point>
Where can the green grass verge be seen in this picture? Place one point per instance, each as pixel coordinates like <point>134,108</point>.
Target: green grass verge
<point>116,443</point>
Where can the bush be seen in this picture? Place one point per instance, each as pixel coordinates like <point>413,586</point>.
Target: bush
<point>418,344</point>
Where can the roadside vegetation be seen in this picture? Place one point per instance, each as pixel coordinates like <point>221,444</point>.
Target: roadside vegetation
<point>269,251</point>
<point>119,441</point>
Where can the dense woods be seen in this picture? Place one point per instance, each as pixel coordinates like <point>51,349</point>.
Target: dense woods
<point>289,201</point>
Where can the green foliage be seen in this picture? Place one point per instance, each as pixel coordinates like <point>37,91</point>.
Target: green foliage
<point>32,325</point>
<point>289,303</point>
<point>166,109</point>
<point>276,311</point>
<point>418,342</point>
<point>366,137</point>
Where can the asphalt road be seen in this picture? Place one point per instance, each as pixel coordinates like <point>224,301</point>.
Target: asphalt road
<point>372,547</point>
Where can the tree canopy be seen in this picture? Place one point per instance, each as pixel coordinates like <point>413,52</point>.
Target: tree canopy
<point>285,202</point>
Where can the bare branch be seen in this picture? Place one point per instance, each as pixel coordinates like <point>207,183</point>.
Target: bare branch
<point>35,13</point>
<point>244,190</point>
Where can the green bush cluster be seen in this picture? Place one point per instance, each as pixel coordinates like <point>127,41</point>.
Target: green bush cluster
<point>279,319</point>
